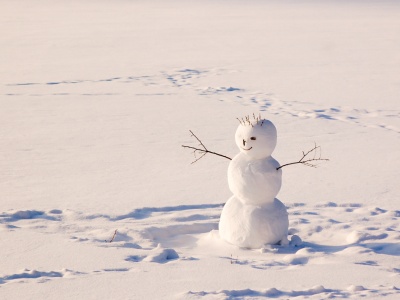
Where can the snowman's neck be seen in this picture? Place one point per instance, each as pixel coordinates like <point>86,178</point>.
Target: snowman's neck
<point>249,158</point>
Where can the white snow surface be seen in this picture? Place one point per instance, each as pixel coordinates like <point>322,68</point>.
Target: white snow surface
<point>100,201</point>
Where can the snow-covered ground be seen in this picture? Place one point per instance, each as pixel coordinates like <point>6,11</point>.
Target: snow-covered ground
<point>97,97</point>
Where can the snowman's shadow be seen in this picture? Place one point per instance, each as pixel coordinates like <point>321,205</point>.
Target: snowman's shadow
<point>278,249</point>
<point>319,248</point>
<point>312,247</point>
<point>147,212</point>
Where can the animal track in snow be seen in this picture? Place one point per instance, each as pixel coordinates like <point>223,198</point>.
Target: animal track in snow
<point>35,274</point>
<point>173,81</point>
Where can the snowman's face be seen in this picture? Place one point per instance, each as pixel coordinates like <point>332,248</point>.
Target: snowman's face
<point>257,141</point>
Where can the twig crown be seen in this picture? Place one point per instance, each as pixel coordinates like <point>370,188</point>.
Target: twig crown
<point>247,121</point>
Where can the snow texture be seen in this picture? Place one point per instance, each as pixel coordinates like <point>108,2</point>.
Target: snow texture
<point>97,97</point>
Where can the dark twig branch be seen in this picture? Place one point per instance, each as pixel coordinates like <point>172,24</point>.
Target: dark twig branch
<point>202,151</point>
<point>113,237</point>
<point>308,160</point>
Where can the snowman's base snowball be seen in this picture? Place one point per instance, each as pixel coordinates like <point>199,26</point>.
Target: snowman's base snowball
<point>250,226</point>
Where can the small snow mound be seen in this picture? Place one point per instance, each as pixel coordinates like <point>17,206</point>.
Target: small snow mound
<point>295,241</point>
<point>305,251</point>
<point>356,288</point>
<point>318,289</point>
<point>354,250</point>
<point>238,293</point>
<point>65,270</point>
<point>294,259</point>
<point>27,214</point>
<point>69,273</point>
<point>29,274</point>
<point>130,245</point>
<point>272,292</point>
<point>357,237</point>
<point>161,255</point>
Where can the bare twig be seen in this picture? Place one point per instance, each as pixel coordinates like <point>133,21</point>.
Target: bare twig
<point>113,237</point>
<point>203,151</point>
<point>308,161</point>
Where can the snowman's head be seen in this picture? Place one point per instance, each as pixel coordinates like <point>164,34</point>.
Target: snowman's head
<point>256,139</point>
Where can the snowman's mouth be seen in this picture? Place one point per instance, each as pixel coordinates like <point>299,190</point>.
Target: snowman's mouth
<point>247,149</point>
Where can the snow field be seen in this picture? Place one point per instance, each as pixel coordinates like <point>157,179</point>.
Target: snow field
<point>67,236</point>
<point>186,237</point>
<point>97,98</point>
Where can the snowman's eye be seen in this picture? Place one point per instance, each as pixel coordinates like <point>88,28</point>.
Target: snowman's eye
<point>253,138</point>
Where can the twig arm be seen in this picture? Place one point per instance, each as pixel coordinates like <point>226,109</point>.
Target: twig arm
<point>307,161</point>
<point>203,151</point>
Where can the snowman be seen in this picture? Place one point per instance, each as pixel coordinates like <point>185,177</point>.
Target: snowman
<point>253,217</point>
